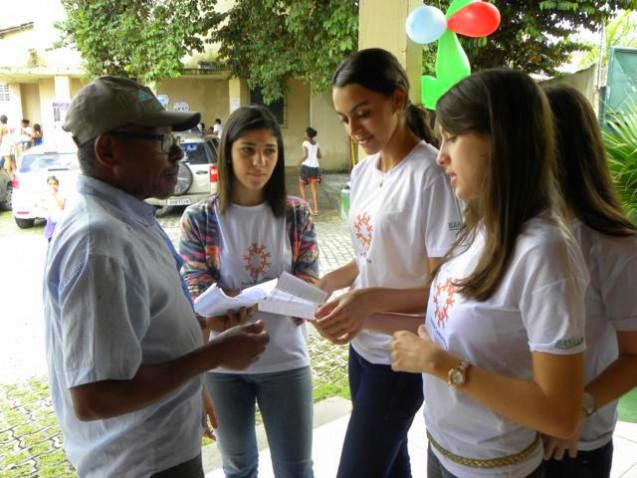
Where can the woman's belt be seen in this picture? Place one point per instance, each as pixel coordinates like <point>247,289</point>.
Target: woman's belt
<point>487,463</point>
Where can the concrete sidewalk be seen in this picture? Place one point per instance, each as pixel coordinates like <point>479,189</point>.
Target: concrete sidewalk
<point>328,440</point>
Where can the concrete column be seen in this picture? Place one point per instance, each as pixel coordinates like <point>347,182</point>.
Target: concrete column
<point>382,26</point>
<point>62,88</point>
<point>238,93</point>
<point>15,113</point>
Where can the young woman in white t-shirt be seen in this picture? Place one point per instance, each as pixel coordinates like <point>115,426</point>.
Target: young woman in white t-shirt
<point>310,172</point>
<point>403,217</point>
<point>248,233</point>
<point>609,243</point>
<point>501,350</point>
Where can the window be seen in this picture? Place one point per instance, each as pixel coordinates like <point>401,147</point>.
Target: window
<point>277,107</point>
<point>4,93</point>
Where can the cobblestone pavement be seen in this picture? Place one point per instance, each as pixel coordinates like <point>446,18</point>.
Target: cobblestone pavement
<point>30,439</point>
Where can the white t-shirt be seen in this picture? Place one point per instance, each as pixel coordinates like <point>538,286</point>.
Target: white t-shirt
<point>216,129</point>
<point>312,154</point>
<point>538,307</point>
<point>397,220</point>
<point>611,307</point>
<point>255,247</point>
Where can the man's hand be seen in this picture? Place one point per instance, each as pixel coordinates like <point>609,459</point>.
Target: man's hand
<point>231,319</point>
<point>210,420</point>
<point>238,347</point>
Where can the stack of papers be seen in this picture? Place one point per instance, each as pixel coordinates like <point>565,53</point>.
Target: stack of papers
<point>287,295</point>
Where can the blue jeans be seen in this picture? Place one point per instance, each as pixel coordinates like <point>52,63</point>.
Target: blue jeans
<point>436,470</point>
<point>587,464</point>
<point>384,405</point>
<point>285,402</point>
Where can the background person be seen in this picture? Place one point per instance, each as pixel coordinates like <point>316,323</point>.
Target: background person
<point>403,218</point>
<point>248,233</point>
<point>124,347</point>
<point>501,350</point>
<point>37,135</point>
<point>53,206</point>
<point>609,243</point>
<point>310,171</point>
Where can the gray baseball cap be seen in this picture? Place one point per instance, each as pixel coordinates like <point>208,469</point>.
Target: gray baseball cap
<point>110,102</point>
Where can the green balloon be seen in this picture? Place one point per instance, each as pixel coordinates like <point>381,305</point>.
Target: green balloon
<point>452,63</point>
<point>457,5</point>
<point>431,90</point>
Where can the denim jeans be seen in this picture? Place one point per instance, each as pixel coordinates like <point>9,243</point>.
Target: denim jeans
<point>384,405</point>
<point>436,470</point>
<point>587,464</point>
<point>285,402</point>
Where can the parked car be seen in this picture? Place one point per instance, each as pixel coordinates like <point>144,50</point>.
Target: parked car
<point>197,177</point>
<point>6,190</point>
<point>30,185</point>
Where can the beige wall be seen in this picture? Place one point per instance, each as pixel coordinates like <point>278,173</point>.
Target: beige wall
<point>297,118</point>
<point>207,96</point>
<point>76,85</point>
<point>31,109</point>
<point>331,134</point>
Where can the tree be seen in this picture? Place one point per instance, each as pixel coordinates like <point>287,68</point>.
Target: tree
<point>267,41</point>
<point>142,39</point>
<point>534,36</point>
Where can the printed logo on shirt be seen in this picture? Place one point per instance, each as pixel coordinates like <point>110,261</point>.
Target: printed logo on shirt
<point>363,232</point>
<point>455,225</point>
<point>444,300</point>
<point>257,260</point>
<point>571,342</point>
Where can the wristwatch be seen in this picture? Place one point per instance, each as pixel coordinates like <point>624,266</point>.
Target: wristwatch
<point>457,376</point>
<point>589,405</point>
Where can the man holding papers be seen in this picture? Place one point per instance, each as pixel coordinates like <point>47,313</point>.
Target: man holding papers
<point>233,243</point>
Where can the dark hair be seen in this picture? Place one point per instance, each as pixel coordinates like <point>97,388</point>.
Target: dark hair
<point>512,111</point>
<point>53,178</point>
<point>4,119</point>
<point>242,120</point>
<point>217,120</point>
<point>378,70</point>
<point>37,127</point>
<point>25,121</point>
<point>311,132</point>
<point>86,157</point>
<point>582,166</point>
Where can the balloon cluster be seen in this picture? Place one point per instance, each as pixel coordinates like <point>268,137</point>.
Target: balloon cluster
<point>426,24</point>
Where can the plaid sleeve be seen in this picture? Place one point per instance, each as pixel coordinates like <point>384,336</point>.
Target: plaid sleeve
<point>305,252</point>
<point>199,246</point>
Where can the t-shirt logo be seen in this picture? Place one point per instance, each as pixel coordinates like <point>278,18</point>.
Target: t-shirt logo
<point>363,232</point>
<point>257,260</point>
<point>444,300</point>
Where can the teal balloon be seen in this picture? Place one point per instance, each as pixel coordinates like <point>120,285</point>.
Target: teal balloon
<point>425,24</point>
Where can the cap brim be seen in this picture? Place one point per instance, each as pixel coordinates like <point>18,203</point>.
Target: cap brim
<point>178,121</point>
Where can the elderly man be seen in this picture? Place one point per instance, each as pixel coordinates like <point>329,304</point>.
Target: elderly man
<point>123,343</point>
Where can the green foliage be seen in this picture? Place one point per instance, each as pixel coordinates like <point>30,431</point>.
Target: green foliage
<point>620,140</point>
<point>267,41</point>
<point>534,36</point>
<point>621,31</point>
<point>142,39</point>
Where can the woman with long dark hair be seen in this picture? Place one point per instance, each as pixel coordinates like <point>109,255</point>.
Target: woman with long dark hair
<point>248,233</point>
<point>609,243</point>
<point>501,350</point>
<point>403,218</point>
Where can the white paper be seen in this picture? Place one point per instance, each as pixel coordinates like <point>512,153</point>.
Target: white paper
<point>287,295</point>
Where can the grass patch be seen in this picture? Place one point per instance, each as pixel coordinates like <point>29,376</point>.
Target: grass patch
<point>628,407</point>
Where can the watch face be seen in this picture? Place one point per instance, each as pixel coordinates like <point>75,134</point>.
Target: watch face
<point>457,377</point>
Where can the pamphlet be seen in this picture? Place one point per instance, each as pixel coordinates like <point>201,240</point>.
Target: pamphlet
<point>288,295</point>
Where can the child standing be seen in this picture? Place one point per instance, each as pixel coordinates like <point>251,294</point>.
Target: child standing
<point>310,172</point>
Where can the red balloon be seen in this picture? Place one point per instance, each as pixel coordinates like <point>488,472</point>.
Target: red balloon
<point>478,19</point>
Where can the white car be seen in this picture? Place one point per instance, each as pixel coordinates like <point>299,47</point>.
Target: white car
<point>30,181</point>
<point>197,177</point>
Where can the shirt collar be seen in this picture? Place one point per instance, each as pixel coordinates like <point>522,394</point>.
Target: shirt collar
<point>132,208</point>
